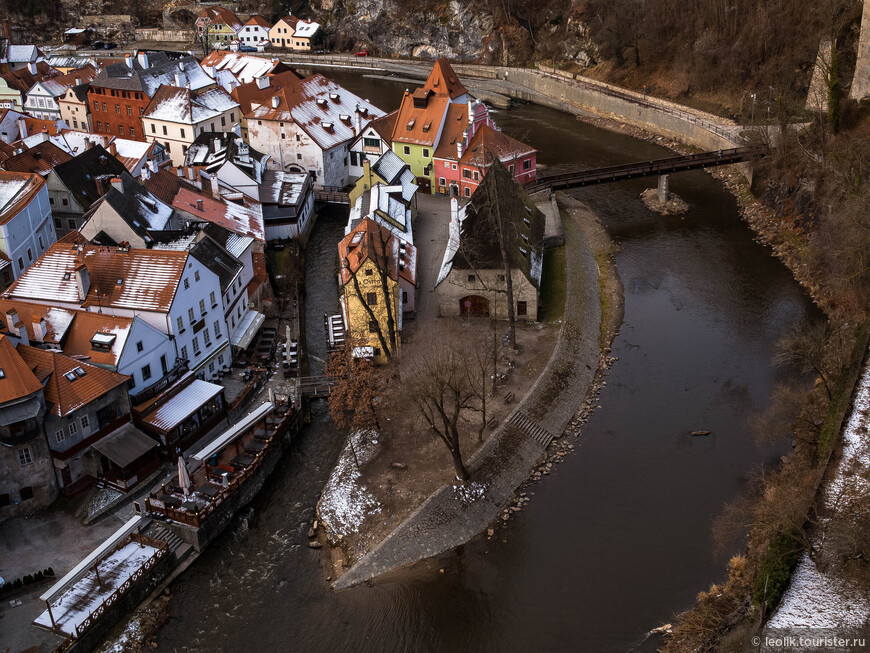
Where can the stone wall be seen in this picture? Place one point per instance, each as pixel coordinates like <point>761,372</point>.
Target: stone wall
<point>164,35</point>
<point>456,286</point>
<point>817,96</point>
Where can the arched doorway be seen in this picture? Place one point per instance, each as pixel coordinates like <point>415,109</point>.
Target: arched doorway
<point>474,306</point>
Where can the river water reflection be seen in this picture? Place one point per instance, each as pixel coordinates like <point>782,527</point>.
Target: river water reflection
<point>617,539</point>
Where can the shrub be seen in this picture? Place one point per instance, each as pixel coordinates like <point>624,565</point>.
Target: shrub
<point>28,579</point>
<point>775,570</point>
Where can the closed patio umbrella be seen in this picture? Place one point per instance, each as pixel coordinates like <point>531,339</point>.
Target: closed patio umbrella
<point>183,477</point>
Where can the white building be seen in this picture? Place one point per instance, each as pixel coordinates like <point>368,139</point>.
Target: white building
<point>375,140</point>
<point>255,33</point>
<point>176,116</point>
<point>170,290</point>
<point>26,228</point>
<point>308,126</point>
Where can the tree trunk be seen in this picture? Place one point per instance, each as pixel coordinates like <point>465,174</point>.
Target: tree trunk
<point>502,246</point>
<point>461,473</point>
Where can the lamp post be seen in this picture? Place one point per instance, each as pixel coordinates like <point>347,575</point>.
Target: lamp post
<point>752,111</point>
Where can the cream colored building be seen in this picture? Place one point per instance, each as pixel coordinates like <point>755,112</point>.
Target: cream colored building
<point>74,108</point>
<point>176,116</point>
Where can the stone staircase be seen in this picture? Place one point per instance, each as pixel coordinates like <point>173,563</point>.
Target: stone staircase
<point>177,547</point>
<point>531,428</point>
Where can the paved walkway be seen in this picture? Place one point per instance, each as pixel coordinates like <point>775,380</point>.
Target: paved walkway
<point>448,518</point>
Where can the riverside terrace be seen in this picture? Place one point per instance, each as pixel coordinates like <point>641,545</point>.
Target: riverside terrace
<point>224,467</point>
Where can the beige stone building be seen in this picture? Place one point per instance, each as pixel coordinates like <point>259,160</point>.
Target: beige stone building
<point>472,280</point>
<point>74,108</point>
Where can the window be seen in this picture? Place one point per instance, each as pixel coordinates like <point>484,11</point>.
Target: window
<point>217,329</point>
<point>120,130</point>
<point>75,124</point>
<point>470,278</point>
<point>180,323</point>
<point>186,284</point>
<point>406,150</point>
<point>442,181</point>
<point>184,352</point>
<point>425,153</point>
<point>132,131</point>
<point>163,365</point>
<point>206,338</point>
<point>99,126</point>
<point>117,108</point>
<point>373,326</point>
<point>299,156</point>
<point>372,298</point>
<point>153,128</point>
<point>466,173</point>
<point>164,130</point>
<point>20,262</point>
<point>211,368</point>
<point>24,456</point>
<point>527,164</point>
<point>232,117</point>
<point>64,201</point>
<point>139,346</point>
<point>104,107</point>
<point>60,435</point>
<point>182,132</point>
<point>190,315</point>
<point>71,223</point>
<point>212,299</point>
<point>85,423</point>
<point>41,246</point>
<point>297,138</point>
<point>476,175</point>
<point>467,191</point>
<point>521,308</point>
<point>196,275</point>
<point>223,121</point>
<point>146,372</point>
<point>511,169</point>
<point>283,136</point>
<point>202,306</point>
<point>196,349</point>
<point>221,359</point>
<point>129,110</point>
<point>369,272</point>
<point>73,429</point>
<point>26,493</point>
<point>372,142</point>
<point>404,296</point>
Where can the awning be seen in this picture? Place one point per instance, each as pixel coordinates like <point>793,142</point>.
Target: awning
<point>184,404</point>
<point>247,329</point>
<point>234,431</point>
<point>125,445</point>
<point>20,412</point>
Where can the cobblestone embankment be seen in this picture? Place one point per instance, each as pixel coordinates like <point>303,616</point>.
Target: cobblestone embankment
<point>450,516</point>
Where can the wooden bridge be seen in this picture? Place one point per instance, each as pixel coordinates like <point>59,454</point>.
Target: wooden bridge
<point>657,167</point>
<point>314,387</point>
<point>331,195</point>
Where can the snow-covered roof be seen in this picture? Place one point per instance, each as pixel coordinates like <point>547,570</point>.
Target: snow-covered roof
<point>305,29</point>
<point>184,404</point>
<point>22,53</point>
<point>456,219</point>
<point>16,191</point>
<point>181,105</point>
<point>244,220</point>
<point>188,70</point>
<point>322,108</point>
<point>245,67</point>
<point>234,431</point>
<point>282,188</point>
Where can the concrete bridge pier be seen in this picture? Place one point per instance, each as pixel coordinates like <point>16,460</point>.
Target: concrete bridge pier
<point>664,188</point>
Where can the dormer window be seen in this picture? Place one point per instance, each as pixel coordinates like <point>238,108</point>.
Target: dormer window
<point>103,341</point>
<point>70,376</point>
<point>327,126</point>
<point>344,118</point>
<point>66,276</point>
<point>78,371</point>
<point>411,123</point>
<point>119,282</point>
<point>2,373</point>
<point>427,126</point>
<point>321,102</point>
<point>335,97</point>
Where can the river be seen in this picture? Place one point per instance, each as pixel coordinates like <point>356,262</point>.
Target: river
<point>617,539</point>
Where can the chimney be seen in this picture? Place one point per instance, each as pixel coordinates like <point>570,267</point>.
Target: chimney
<point>38,324</point>
<point>143,59</point>
<point>83,281</point>
<point>459,148</point>
<point>199,205</point>
<point>31,67</point>
<point>78,81</point>
<point>128,59</point>
<point>262,82</point>
<point>22,334</point>
<point>152,164</point>
<point>275,101</point>
<point>117,185</point>
<point>178,80</point>
<point>113,149</point>
<point>6,32</point>
<point>22,128</point>
<point>4,137</point>
<point>217,143</point>
<point>145,173</point>
<point>215,187</point>
<point>212,71</point>
<point>357,121</point>
<point>100,186</point>
<point>12,320</point>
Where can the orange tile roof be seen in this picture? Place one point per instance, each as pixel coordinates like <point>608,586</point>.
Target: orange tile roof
<point>148,278</point>
<point>291,21</point>
<point>368,240</point>
<point>443,81</point>
<point>259,20</point>
<point>37,125</point>
<point>17,189</point>
<point>419,125</point>
<point>71,383</point>
<point>222,15</point>
<point>246,94</point>
<point>86,325</point>
<point>455,124</point>
<point>57,320</point>
<point>86,73</point>
<point>41,159</point>
<point>18,379</point>
<point>488,142</point>
<point>229,215</point>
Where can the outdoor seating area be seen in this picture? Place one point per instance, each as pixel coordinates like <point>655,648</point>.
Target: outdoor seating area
<point>336,333</point>
<point>218,469</point>
<point>290,355</point>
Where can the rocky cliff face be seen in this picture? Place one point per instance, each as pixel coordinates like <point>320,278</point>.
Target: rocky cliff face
<point>504,33</point>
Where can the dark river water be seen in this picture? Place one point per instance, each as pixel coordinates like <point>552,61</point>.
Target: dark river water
<point>617,539</point>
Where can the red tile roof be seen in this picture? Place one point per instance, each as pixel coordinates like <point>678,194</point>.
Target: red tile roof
<point>419,124</point>
<point>39,159</point>
<point>222,15</point>
<point>22,80</point>
<point>165,185</point>
<point>56,320</point>
<point>488,142</point>
<point>249,93</point>
<point>259,20</point>
<point>71,383</point>
<point>229,215</point>
<point>148,278</point>
<point>17,189</point>
<point>443,81</point>
<point>18,379</point>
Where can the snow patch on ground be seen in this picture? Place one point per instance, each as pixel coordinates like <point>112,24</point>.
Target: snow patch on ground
<point>127,639</point>
<point>818,600</point>
<point>100,499</point>
<point>469,492</point>
<point>345,503</point>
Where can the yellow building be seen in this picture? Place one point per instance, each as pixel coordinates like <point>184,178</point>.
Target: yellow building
<point>373,312</point>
